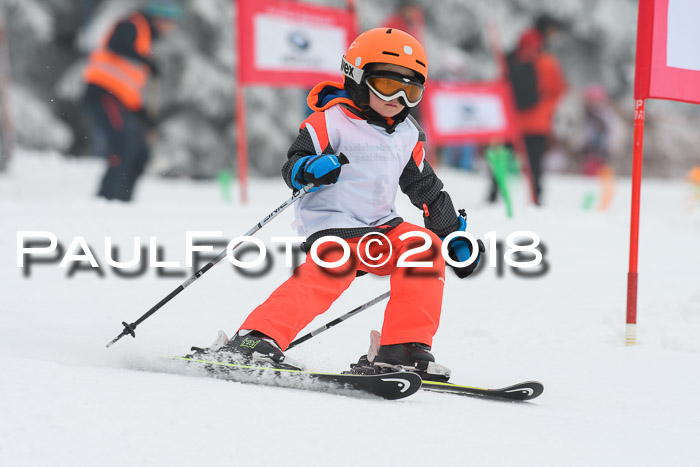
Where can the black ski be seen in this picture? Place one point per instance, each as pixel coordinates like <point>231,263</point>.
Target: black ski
<point>518,392</point>
<point>389,385</point>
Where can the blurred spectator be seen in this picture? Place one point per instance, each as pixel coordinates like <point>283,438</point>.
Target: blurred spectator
<point>694,181</point>
<point>462,157</point>
<point>548,26</point>
<point>598,123</point>
<point>454,68</point>
<point>117,74</point>
<point>694,176</point>
<point>409,18</point>
<point>538,83</point>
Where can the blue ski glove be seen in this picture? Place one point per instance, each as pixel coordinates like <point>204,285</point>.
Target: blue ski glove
<point>319,170</point>
<point>460,249</point>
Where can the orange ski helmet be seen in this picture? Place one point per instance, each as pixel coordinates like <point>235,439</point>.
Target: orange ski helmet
<point>384,45</point>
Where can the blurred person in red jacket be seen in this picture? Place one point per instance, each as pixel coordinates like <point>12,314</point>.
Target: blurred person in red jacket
<point>117,73</point>
<point>597,130</point>
<point>538,84</point>
<point>409,18</point>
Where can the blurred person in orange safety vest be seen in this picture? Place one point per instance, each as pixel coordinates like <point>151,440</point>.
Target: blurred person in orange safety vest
<point>538,84</point>
<point>116,75</point>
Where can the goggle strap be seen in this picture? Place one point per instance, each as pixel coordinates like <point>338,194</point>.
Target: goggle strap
<point>351,71</point>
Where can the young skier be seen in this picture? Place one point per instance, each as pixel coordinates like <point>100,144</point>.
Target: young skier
<point>366,119</point>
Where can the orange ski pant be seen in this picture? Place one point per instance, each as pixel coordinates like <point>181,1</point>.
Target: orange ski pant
<point>412,313</point>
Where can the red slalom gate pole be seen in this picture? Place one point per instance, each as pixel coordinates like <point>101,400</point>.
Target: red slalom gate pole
<point>352,8</point>
<point>7,125</point>
<point>241,129</point>
<point>242,142</point>
<point>632,275</point>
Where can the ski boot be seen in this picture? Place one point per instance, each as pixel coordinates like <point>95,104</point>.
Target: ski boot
<point>412,356</point>
<point>246,348</point>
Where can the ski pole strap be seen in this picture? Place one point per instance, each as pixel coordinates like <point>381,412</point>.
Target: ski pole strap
<point>340,319</point>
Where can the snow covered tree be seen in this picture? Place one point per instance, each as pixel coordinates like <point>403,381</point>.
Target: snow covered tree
<point>49,41</point>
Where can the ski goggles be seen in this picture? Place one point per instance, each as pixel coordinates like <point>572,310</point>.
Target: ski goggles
<point>388,86</point>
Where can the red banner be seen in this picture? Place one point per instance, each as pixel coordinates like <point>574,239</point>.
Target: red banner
<point>479,113</point>
<point>285,43</point>
<point>668,63</point>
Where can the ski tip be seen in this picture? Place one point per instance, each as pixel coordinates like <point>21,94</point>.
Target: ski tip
<point>524,391</point>
<point>518,392</point>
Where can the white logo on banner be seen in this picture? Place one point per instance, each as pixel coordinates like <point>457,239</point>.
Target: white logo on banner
<point>462,112</point>
<point>683,34</point>
<point>287,44</point>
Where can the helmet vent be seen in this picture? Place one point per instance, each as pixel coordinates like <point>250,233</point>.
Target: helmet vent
<point>392,54</point>
<point>421,63</point>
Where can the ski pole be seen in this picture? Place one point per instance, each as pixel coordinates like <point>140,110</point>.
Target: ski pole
<point>129,328</point>
<point>339,320</point>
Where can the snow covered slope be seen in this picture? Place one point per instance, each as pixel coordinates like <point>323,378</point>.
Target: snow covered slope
<point>66,400</point>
